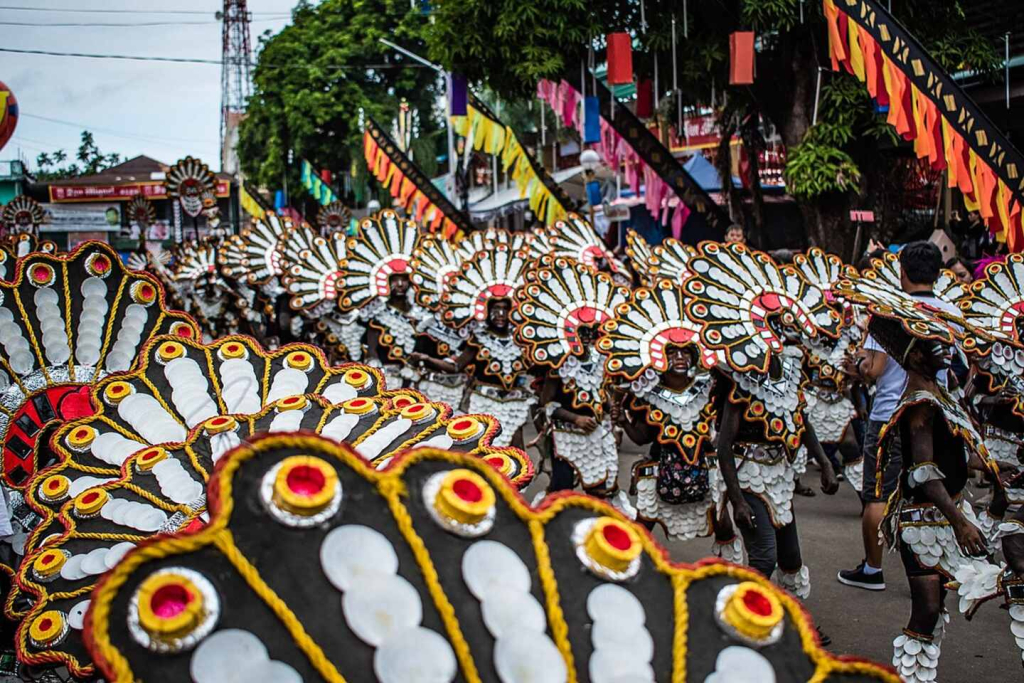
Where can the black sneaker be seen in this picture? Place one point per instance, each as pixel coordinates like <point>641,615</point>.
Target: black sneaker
<point>858,579</point>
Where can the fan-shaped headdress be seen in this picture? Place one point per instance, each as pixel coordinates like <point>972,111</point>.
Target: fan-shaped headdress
<point>333,217</point>
<point>187,182</point>
<point>195,260</point>
<point>254,257</point>
<point>641,256</point>
<point>139,466</point>
<point>539,595</point>
<point>22,214</point>
<point>491,274</point>
<point>735,292</point>
<point>652,319</point>
<point>65,322</point>
<point>558,297</point>
<point>575,238</point>
<point>383,247</point>
<point>141,212</point>
<point>435,262</point>
<point>312,266</point>
<point>671,260</point>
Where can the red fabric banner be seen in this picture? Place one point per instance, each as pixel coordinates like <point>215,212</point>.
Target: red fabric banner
<point>741,58</point>
<point>620,58</point>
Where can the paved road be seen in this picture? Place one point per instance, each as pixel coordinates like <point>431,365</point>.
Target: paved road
<point>861,622</point>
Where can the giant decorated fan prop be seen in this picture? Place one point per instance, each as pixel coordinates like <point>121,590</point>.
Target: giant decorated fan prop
<point>317,567</point>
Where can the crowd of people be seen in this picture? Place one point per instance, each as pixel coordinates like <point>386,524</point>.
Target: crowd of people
<point>733,369</point>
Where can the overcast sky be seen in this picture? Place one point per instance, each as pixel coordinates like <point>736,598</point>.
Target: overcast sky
<point>163,110</point>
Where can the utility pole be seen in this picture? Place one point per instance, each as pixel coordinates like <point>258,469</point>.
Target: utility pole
<point>235,78</point>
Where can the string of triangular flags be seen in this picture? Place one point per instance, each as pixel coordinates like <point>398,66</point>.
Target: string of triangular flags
<point>319,190</point>
<point>420,199</point>
<point>927,107</point>
<point>499,140</point>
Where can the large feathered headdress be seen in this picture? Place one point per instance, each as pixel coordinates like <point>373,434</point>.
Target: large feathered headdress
<point>559,296</point>
<point>384,246</point>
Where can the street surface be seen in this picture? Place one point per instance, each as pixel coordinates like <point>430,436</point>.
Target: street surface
<point>860,622</point>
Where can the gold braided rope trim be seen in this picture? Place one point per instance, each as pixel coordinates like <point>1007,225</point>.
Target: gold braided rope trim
<point>393,490</point>
<point>225,543</point>
<point>681,613</point>
<point>556,618</point>
<point>389,482</point>
<point>67,319</point>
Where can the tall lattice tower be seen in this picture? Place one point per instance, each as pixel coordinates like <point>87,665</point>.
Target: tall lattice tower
<point>236,85</point>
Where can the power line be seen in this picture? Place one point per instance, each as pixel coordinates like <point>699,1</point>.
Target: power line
<point>215,62</point>
<point>129,11</point>
<point>107,131</point>
<point>100,24</point>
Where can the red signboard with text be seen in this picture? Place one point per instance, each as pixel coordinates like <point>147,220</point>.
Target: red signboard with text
<point>122,192</point>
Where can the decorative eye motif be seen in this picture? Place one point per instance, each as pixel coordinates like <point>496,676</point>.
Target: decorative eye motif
<point>301,491</point>
<point>172,610</point>
<point>461,501</point>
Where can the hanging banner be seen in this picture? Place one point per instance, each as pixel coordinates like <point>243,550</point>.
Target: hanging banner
<point>928,108</point>
<point>661,162</point>
<point>409,185</point>
<point>251,203</point>
<point>125,192</point>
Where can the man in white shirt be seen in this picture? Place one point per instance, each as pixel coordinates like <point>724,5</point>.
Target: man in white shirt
<point>920,263</point>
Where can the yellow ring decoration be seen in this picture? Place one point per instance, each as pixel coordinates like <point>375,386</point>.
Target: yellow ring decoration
<point>299,502</point>
<point>47,627</point>
<point>603,551</point>
<point>464,496</point>
<point>179,624</point>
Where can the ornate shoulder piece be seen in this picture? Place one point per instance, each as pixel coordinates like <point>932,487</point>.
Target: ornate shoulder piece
<point>22,215</point>
<point>491,274</point>
<point>435,262</point>
<point>383,247</point>
<point>434,569</point>
<point>652,319</point>
<point>311,266</point>
<point>65,322</point>
<point>957,420</point>
<point>254,258</point>
<point>559,296</point>
<point>736,292</point>
<point>333,217</point>
<point>641,256</point>
<point>191,183</point>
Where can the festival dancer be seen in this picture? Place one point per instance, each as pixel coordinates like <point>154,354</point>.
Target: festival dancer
<point>653,343</point>
<point>480,296</point>
<point>927,518</point>
<point>757,313</point>
<point>560,307</point>
<point>436,261</point>
<point>375,281</point>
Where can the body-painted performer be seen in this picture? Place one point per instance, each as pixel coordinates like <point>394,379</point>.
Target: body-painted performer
<point>757,313</point>
<point>653,343</point>
<point>927,519</point>
<point>376,282</point>
<point>560,308</point>
<point>480,296</point>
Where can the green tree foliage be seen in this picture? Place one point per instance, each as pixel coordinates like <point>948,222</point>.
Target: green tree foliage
<point>312,79</point>
<point>510,44</point>
<point>88,160</point>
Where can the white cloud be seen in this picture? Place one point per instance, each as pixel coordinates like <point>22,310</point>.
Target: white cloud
<point>163,110</point>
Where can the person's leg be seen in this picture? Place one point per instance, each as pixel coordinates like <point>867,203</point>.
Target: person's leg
<point>728,545</point>
<point>760,541</point>
<point>869,574</point>
<point>563,476</point>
